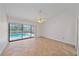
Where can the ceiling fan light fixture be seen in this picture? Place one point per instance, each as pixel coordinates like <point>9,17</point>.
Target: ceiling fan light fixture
<point>40,18</point>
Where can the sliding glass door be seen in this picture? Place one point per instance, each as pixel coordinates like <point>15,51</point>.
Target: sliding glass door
<point>20,31</point>
<point>27,31</point>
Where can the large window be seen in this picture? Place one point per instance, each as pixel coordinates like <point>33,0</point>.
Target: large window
<point>20,31</point>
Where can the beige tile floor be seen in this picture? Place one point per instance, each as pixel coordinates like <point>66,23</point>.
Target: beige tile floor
<point>39,47</point>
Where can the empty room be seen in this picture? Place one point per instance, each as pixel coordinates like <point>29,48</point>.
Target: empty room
<point>39,29</point>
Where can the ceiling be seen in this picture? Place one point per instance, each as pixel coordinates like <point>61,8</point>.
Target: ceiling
<point>31,10</point>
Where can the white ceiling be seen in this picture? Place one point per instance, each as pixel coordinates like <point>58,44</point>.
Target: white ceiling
<point>30,11</point>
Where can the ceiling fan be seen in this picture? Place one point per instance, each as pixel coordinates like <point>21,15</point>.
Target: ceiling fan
<point>41,19</point>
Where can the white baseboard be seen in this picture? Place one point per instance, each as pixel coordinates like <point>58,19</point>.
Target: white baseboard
<point>58,40</point>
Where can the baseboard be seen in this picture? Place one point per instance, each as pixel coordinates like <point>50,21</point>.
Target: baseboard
<point>58,41</point>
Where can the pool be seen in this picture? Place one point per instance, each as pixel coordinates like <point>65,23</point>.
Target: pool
<point>20,36</point>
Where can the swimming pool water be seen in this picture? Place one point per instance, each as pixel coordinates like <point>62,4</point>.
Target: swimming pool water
<point>16,35</point>
<point>20,36</point>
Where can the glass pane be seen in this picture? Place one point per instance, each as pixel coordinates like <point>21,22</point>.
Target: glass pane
<point>27,31</point>
<point>20,31</point>
<point>15,31</point>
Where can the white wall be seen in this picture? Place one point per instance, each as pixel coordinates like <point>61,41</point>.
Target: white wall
<point>78,37</point>
<point>78,32</point>
<point>61,27</point>
<point>3,29</point>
